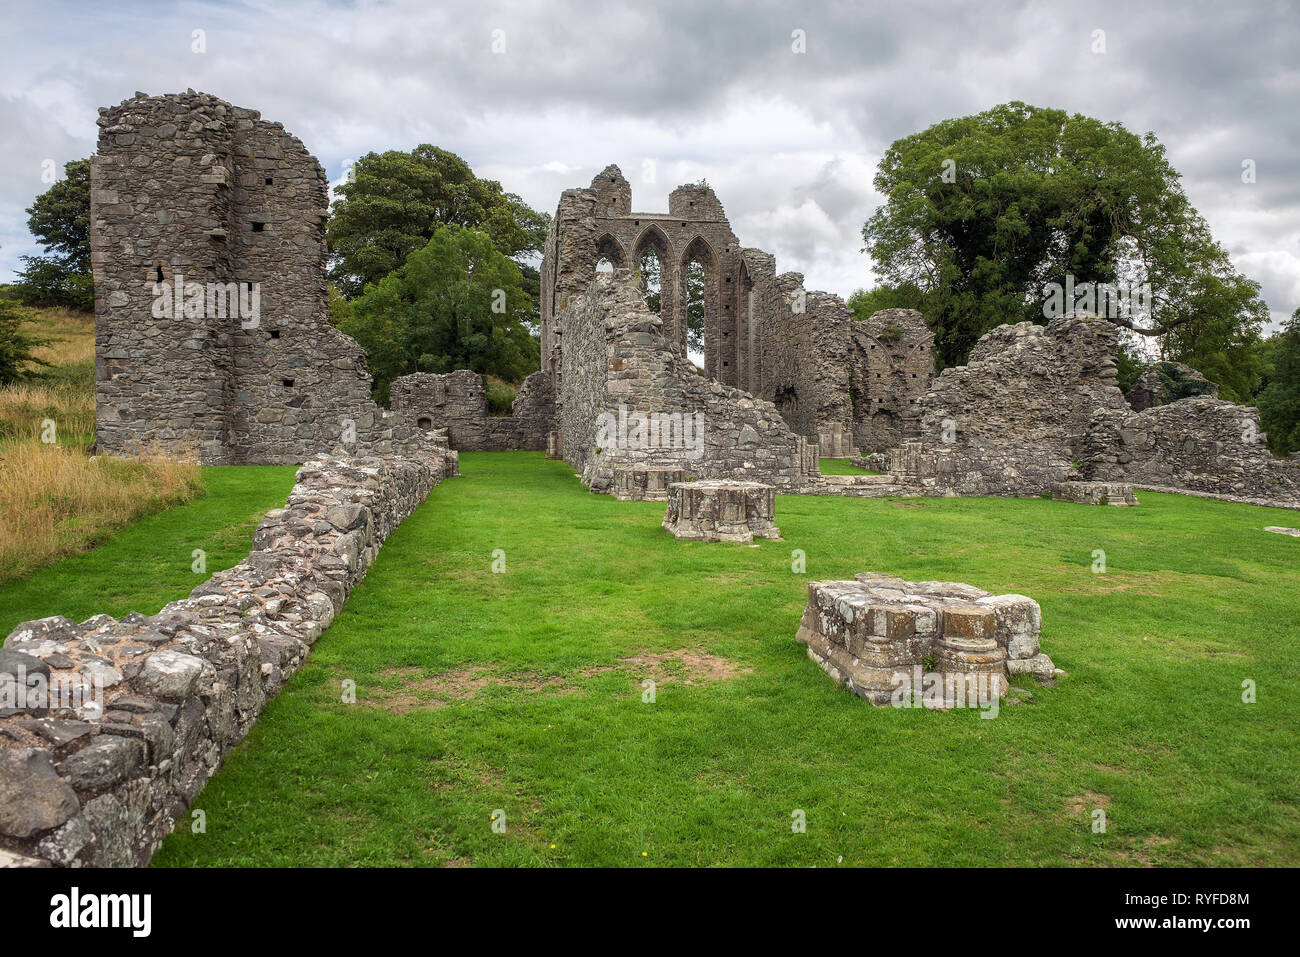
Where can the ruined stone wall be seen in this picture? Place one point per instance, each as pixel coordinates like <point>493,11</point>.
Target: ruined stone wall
<point>457,401</point>
<point>1014,419</point>
<point>892,369</point>
<point>103,783</point>
<point>188,190</point>
<point>1200,443</point>
<point>762,333</point>
<point>619,372</point>
<point>803,342</point>
<point>1168,382</point>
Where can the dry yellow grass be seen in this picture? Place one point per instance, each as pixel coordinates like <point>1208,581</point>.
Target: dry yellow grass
<point>73,334</point>
<point>55,500</point>
<point>26,409</point>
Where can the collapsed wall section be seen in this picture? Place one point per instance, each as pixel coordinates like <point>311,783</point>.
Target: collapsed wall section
<point>892,369</point>
<point>457,402</point>
<point>802,350</point>
<point>98,773</point>
<point>626,398</point>
<point>1014,419</point>
<point>1200,443</point>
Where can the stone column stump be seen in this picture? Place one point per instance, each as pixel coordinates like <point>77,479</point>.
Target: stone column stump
<point>1094,493</point>
<point>717,510</point>
<point>947,644</point>
<point>645,485</point>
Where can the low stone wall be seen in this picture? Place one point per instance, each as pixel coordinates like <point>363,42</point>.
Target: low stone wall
<point>103,782</point>
<point>1199,444</point>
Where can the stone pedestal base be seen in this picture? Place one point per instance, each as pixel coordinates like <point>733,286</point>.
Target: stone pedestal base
<point>1094,493</point>
<point>717,510</point>
<point>921,644</point>
<point>645,485</point>
<point>554,446</point>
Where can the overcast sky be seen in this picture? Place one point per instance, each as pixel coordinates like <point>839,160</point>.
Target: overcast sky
<point>675,91</point>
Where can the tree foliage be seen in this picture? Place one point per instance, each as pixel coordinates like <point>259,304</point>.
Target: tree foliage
<point>60,220</point>
<point>16,344</point>
<point>982,211</point>
<point>395,202</point>
<point>1279,400</point>
<point>456,303</point>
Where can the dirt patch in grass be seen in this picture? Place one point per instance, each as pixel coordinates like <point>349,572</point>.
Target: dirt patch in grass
<point>1141,853</point>
<point>685,666</point>
<point>1082,805</point>
<point>904,503</point>
<point>459,685</point>
<point>420,692</point>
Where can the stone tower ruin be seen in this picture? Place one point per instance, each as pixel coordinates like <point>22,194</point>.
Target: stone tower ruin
<point>208,250</point>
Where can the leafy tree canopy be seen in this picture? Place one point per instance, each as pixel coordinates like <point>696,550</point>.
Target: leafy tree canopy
<point>60,220</point>
<point>394,202</point>
<point>456,303</point>
<point>1279,400</point>
<point>982,211</point>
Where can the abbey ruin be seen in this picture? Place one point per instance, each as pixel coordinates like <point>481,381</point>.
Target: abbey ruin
<point>212,335</point>
<point>212,338</point>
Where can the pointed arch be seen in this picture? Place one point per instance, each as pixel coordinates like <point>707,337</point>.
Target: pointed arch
<point>607,247</point>
<point>699,311</point>
<point>654,242</point>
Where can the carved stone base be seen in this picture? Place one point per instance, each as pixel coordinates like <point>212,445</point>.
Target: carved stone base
<point>717,510</point>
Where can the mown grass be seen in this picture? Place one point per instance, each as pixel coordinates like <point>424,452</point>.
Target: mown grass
<point>840,467</point>
<point>480,692</point>
<point>148,563</point>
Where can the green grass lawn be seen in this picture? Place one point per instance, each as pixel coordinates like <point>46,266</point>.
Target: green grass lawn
<point>841,467</point>
<point>149,563</point>
<point>482,692</point>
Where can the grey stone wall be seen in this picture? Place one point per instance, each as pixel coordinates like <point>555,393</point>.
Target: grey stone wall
<point>763,333</point>
<point>619,369</point>
<point>1014,419</point>
<point>457,401</point>
<point>190,186</point>
<point>102,784</point>
<point>1200,443</point>
<point>892,369</point>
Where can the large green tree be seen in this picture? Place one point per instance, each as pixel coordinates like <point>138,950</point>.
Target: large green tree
<point>394,202</point>
<point>1279,400</point>
<point>982,211</point>
<point>60,220</point>
<point>456,303</point>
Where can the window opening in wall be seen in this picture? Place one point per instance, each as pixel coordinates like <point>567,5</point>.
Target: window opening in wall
<point>288,383</point>
<point>268,181</point>
<point>275,333</point>
<point>160,274</point>
<point>257,227</point>
<point>695,306</point>
<point>650,272</point>
<point>604,266</point>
